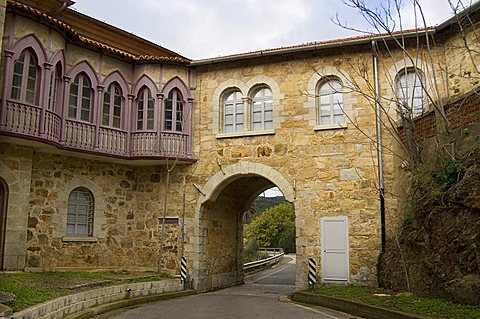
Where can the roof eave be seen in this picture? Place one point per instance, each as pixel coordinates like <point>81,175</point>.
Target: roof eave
<point>474,7</point>
<point>321,46</point>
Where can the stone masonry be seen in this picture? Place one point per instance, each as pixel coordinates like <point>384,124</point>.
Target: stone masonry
<point>325,171</point>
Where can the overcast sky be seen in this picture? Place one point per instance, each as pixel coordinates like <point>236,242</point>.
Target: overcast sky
<point>200,29</point>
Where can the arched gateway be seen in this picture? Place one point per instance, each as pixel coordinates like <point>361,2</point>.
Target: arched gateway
<point>218,231</point>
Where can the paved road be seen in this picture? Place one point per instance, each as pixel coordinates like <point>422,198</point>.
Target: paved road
<point>264,295</point>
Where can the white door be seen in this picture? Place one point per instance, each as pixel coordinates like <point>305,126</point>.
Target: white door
<point>334,248</point>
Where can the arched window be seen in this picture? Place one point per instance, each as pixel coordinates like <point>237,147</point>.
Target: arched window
<point>410,92</point>
<point>112,106</point>
<point>80,212</point>
<point>174,112</point>
<point>53,91</point>
<point>233,112</point>
<point>145,110</point>
<point>25,78</point>
<point>262,110</point>
<point>330,106</point>
<point>80,100</point>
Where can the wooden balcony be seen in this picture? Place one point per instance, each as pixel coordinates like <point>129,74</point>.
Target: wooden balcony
<point>30,122</point>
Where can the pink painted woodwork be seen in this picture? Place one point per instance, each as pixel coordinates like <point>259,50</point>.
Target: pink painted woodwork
<point>23,120</point>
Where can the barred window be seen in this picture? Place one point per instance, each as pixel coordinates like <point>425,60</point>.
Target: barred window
<point>80,212</point>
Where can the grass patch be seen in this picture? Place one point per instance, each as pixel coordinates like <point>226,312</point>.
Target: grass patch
<point>34,288</point>
<point>429,307</point>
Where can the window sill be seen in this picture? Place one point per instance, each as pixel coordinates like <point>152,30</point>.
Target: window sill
<point>80,239</point>
<point>330,127</point>
<point>247,133</point>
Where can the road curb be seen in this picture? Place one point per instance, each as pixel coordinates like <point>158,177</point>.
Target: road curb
<point>351,307</point>
<point>102,309</point>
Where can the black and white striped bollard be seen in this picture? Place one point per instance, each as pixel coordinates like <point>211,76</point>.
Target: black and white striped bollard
<point>183,270</point>
<point>312,272</point>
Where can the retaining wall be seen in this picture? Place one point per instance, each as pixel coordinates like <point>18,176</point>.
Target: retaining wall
<point>67,305</point>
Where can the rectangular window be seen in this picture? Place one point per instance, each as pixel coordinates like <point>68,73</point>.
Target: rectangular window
<point>179,117</point>
<point>117,110</point>
<point>140,114</point>
<point>150,114</point>
<point>239,117</point>
<point>52,92</point>
<point>169,220</point>
<point>31,82</point>
<point>17,78</point>
<point>85,111</point>
<point>106,108</point>
<point>168,114</point>
<point>72,100</point>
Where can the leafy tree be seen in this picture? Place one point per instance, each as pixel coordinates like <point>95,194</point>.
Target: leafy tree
<point>274,228</point>
<point>261,204</point>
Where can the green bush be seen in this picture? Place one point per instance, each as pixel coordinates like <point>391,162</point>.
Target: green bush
<point>274,228</point>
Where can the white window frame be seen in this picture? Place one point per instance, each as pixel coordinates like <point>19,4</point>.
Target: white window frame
<point>236,104</point>
<point>77,207</point>
<point>329,108</point>
<point>409,81</point>
<point>262,106</point>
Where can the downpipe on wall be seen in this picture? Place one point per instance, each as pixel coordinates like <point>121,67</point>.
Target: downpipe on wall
<point>378,122</point>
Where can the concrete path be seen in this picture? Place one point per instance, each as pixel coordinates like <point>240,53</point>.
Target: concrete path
<point>264,295</point>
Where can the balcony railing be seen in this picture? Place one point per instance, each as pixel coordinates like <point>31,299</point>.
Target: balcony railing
<point>28,121</point>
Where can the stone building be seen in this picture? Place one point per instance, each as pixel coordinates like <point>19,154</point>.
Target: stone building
<point>117,153</point>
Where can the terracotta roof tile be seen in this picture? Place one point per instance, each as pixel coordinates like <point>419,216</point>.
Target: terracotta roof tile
<point>150,58</point>
<point>321,43</point>
<point>91,42</point>
<point>43,15</point>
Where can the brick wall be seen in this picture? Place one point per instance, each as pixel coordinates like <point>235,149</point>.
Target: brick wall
<point>463,111</point>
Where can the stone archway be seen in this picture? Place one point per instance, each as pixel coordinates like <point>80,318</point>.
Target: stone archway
<point>218,230</point>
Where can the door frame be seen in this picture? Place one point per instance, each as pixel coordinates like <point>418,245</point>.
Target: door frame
<point>323,220</point>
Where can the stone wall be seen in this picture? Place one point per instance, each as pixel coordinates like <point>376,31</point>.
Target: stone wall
<point>69,305</point>
<point>126,217</point>
<point>15,171</point>
<point>325,171</point>
<point>333,170</point>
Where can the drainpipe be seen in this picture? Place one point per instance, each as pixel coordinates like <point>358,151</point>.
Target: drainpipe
<point>378,121</point>
<point>65,5</point>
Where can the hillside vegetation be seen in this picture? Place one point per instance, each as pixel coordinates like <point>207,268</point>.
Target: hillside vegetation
<point>438,248</point>
<point>273,228</point>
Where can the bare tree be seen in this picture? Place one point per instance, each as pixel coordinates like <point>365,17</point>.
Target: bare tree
<point>420,53</point>
<point>175,149</point>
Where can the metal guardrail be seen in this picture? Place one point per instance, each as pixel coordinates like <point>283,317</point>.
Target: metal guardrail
<point>267,261</point>
<point>271,251</point>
